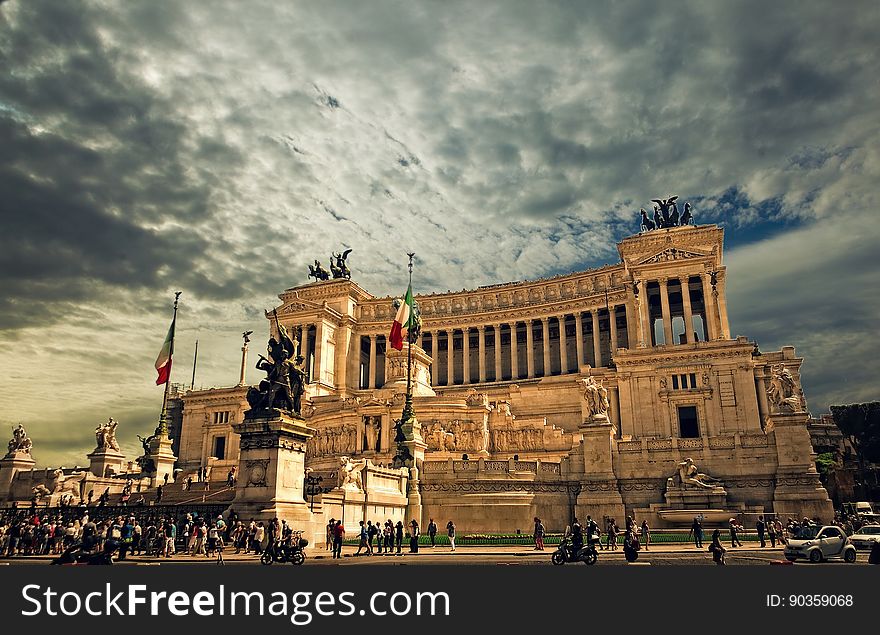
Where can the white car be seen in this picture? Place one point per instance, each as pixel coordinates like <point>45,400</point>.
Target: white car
<point>819,543</point>
<point>865,537</point>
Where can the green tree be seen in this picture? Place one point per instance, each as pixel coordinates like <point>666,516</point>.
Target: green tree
<point>860,423</point>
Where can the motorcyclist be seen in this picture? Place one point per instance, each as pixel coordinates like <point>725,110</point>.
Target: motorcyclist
<point>577,537</point>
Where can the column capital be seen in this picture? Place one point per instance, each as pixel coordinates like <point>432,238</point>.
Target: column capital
<point>545,319</point>
<point>481,328</point>
<point>663,281</point>
<point>373,337</point>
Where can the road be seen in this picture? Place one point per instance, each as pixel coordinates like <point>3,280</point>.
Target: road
<point>488,556</point>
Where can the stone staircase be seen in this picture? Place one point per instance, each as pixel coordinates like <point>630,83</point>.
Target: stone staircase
<point>176,494</point>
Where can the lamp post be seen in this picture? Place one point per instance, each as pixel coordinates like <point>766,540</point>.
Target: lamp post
<point>313,488</point>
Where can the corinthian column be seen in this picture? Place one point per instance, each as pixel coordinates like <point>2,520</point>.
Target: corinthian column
<point>371,381</point>
<point>545,341</point>
<point>563,352</point>
<point>466,353</point>
<point>481,332</point>
<point>579,338</point>
<point>597,343</point>
<point>667,316</point>
<point>709,308</point>
<point>497,329</point>
<point>530,348</point>
<point>435,363</point>
<point>688,312</point>
<point>612,325</point>
<point>450,357</point>
<point>514,352</point>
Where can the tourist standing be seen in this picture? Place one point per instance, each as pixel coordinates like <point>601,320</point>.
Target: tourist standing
<point>338,537</point>
<point>539,534</point>
<point>399,535</point>
<point>771,532</point>
<point>697,532</point>
<point>432,532</point>
<point>450,533</point>
<point>329,538</point>
<point>371,533</point>
<point>760,527</point>
<point>414,536</point>
<point>646,534</point>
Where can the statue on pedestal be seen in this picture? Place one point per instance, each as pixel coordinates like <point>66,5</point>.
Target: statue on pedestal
<point>783,391</point>
<point>690,475</point>
<point>20,441</point>
<point>105,435</point>
<point>284,385</point>
<point>596,396</point>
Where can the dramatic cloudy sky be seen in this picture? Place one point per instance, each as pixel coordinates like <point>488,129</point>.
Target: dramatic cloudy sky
<point>218,147</point>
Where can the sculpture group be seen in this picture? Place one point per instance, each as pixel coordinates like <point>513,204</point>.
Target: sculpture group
<point>283,387</point>
<point>783,393</point>
<point>105,435</point>
<point>19,442</point>
<point>666,215</point>
<point>596,396</point>
<point>338,267</point>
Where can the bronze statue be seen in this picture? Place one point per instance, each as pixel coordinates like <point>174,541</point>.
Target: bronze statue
<point>340,269</point>
<point>686,216</point>
<point>284,385</point>
<point>667,206</point>
<point>318,272</point>
<point>647,223</point>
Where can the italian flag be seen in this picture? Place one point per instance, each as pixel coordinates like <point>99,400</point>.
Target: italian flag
<point>402,321</point>
<point>163,362</point>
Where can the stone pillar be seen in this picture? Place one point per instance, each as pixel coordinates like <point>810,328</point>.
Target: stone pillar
<point>798,490</point>
<point>722,307</point>
<point>514,352</point>
<point>319,353</point>
<point>10,465</point>
<point>419,340</point>
<point>450,357</point>
<point>599,495</point>
<point>709,308</point>
<point>530,349</point>
<point>271,470</point>
<point>614,400</point>
<point>761,390</point>
<point>481,332</point>
<point>545,344</point>
<point>646,329</point>
<point>597,343</point>
<point>102,458</point>
<point>664,307</point>
<point>435,362</point>
<point>563,353</point>
<point>612,326</point>
<point>579,338</point>
<point>688,312</point>
<point>163,459</point>
<point>305,352</point>
<point>466,354</point>
<point>371,381</point>
<point>497,329</point>
<point>244,352</point>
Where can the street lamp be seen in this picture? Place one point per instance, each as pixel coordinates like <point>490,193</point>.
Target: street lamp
<point>313,488</point>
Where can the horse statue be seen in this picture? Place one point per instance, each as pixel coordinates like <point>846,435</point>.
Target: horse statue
<point>318,272</point>
<point>340,269</point>
<point>647,223</point>
<point>667,206</point>
<point>686,216</point>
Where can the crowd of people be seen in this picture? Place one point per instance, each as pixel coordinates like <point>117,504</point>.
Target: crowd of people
<point>375,538</point>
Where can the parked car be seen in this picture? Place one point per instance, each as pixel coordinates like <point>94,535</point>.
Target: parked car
<point>865,537</point>
<point>816,544</point>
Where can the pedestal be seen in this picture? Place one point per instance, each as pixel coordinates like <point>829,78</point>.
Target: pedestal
<point>599,496</point>
<point>162,458</point>
<point>799,492</point>
<point>271,472</point>
<point>10,465</point>
<point>104,461</point>
<point>395,370</point>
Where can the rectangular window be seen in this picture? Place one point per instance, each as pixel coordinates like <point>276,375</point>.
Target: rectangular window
<point>219,448</point>
<point>693,380</point>
<point>688,423</point>
<point>675,382</point>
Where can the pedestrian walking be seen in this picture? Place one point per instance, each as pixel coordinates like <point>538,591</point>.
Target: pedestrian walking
<point>399,535</point>
<point>432,532</point>
<point>450,533</point>
<point>380,537</point>
<point>363,535</point>
<point>646,534</point>
<point>771,532</point>
<point>733,528</point>
<point>539,534</point>
<point>338,537</point>
<point>329,538</point>
<point>760,526</point>
<point>717,548</point>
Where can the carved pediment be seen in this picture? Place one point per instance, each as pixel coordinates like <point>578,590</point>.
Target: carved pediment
<point>671,254</point>
<point>298,306</point>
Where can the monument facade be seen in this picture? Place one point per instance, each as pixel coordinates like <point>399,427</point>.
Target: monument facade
<point>582,393</point>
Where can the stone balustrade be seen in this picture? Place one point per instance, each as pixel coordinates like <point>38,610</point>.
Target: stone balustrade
<point>722,442</point>
<point>470,469</point>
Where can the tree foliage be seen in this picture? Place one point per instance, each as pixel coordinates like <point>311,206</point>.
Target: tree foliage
<point>860,422</point>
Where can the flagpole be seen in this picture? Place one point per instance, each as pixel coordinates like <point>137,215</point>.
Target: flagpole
<point>195,361</point>
<point>409,336</point>
<point>162,429</point>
